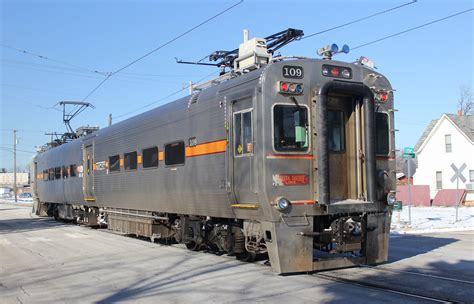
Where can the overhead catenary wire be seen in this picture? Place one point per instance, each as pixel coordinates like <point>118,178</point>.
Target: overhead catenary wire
<point>412,29</point>
<point>360,19</point>
<point>159,47</point>
<point>53,60</point>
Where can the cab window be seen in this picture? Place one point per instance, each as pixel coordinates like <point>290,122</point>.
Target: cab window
<point>290,128</point>
<point>382,143</point>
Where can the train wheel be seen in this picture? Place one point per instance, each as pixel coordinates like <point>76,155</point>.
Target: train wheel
<point>192,245</point>
<point>246,256</point>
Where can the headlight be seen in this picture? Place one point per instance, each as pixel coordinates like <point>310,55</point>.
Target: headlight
<point>282,204</point>
<point>391,199</point>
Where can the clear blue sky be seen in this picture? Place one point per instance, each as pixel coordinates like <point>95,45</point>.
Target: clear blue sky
<point>426,66</point>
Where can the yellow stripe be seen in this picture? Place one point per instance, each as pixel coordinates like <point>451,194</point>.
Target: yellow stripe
<point>89,199</point>
<point>207,148</point>
<point>121,162</point>
<point>139,159</point>
<point>245,206</point>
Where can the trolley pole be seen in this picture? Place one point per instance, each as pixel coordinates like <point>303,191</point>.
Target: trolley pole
<point>14,166</point>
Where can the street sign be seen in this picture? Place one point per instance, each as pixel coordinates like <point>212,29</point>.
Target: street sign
<point>456,177</point>
<point>458,172</point>
<point>408,152</point>
<point>398,206</point>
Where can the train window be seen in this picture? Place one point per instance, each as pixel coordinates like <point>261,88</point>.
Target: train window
<point>114,163</point>
<point>72,170</point>
<point>45,175</point>
<point>130,161</point>
<point>65,172</point>
<point>336,131</point>
<point>150,157</point>
<point>51,174</point>
<point>243,139</point>
<point>57,172</point>
<point>290,128</point>
<point>382,143</point>
<point>174,153</point>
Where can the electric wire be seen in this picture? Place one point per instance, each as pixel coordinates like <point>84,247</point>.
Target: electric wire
<point>412,29</point>
<point>53,60</point>
<point>159,47</point>
<point>359,20</point>
<point>17,150</point>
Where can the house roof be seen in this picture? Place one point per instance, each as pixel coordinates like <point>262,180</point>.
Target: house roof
<point>465,123</point>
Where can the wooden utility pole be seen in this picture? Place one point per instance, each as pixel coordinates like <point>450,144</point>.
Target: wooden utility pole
<point>14,166</point>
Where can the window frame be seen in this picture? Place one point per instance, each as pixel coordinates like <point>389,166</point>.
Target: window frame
<point>344,117</point>
<point>389,134</point>
<point>124,162</point>
<point>272,121</point>
<point>110,168</point>
<point>440,181</point>
<point>57,172</point>
<point>446,144</point>
<point>164,153</point>
<point>157,157</point>
<point>234,114</point>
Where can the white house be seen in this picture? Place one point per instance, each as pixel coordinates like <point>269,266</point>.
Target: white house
<point>448,140</point>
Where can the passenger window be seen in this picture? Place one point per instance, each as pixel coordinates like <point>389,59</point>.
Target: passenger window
<point>114,163</point>
<point>150,157</point>
<point>290,128</point>
<point>335,131</point>
<point>51,174</point>
<point>45,175</point>
<point>64,170</point>
<point>57,173</point>
<point>130,161</point>
<point>243,137</point>
<point>382,143</point>
<point>174,153</point>
<point>72,170</point>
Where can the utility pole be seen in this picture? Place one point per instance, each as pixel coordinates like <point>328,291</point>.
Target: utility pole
<point>14,165</point>
<point>110,119</point>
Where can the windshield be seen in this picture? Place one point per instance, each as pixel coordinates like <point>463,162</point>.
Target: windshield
<point>290,127</point>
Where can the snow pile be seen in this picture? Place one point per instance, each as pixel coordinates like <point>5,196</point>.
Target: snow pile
<point>432,219</point>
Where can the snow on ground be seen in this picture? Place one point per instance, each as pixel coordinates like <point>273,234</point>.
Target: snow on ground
<point>432,219</point>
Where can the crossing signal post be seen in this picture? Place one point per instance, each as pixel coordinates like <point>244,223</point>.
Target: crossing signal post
<point>408,154</point>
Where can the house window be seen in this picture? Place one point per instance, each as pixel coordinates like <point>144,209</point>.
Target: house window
<point>150,157</point>
<point>471,176</point>
<point>114,163</point>
<point>174,153</point>
<point>130,161</point>
<point>447,141</point>
<point>439,180</point>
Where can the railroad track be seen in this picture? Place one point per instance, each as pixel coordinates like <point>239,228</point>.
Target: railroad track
<point>361,283</point>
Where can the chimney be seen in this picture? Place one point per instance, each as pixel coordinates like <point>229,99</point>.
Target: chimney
<point>459,112</point>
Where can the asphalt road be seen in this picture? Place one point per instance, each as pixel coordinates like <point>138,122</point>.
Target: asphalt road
<point>43,261</point>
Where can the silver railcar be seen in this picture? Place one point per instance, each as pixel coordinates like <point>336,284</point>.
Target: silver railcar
<point>295,159</point>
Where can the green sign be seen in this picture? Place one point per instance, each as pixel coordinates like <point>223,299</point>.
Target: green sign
<point>398,206</point>
<point>408,152</point>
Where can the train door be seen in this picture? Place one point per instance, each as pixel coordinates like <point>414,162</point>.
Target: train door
<point>342,147</point>
<point>243,151</point>
<point>88,173</point>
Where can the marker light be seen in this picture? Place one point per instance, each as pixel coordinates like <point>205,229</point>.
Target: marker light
<point>391,199</point>
<point>383,97</point>
<point>345,73</point>
<point>334,72</point>
<point>325,71</point>
<point>283,87</point>
<point>291,88</point>
<point>345,49</point>
<point>299,88</point>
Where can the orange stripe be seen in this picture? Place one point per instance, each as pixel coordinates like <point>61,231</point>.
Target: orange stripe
<point>139,159</point>
<point>304,202</point>
<point>160,156</point>
<point>207,148</point>
<point>121,162</point>
<point>289,156</point>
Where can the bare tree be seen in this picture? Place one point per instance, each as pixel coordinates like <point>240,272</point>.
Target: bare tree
<point>465,101</point>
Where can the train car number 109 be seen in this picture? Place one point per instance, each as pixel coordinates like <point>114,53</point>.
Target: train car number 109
<point>290,71</point>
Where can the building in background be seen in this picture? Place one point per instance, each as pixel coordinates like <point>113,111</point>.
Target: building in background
<point>6,183</point>
<point>447,140</point>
